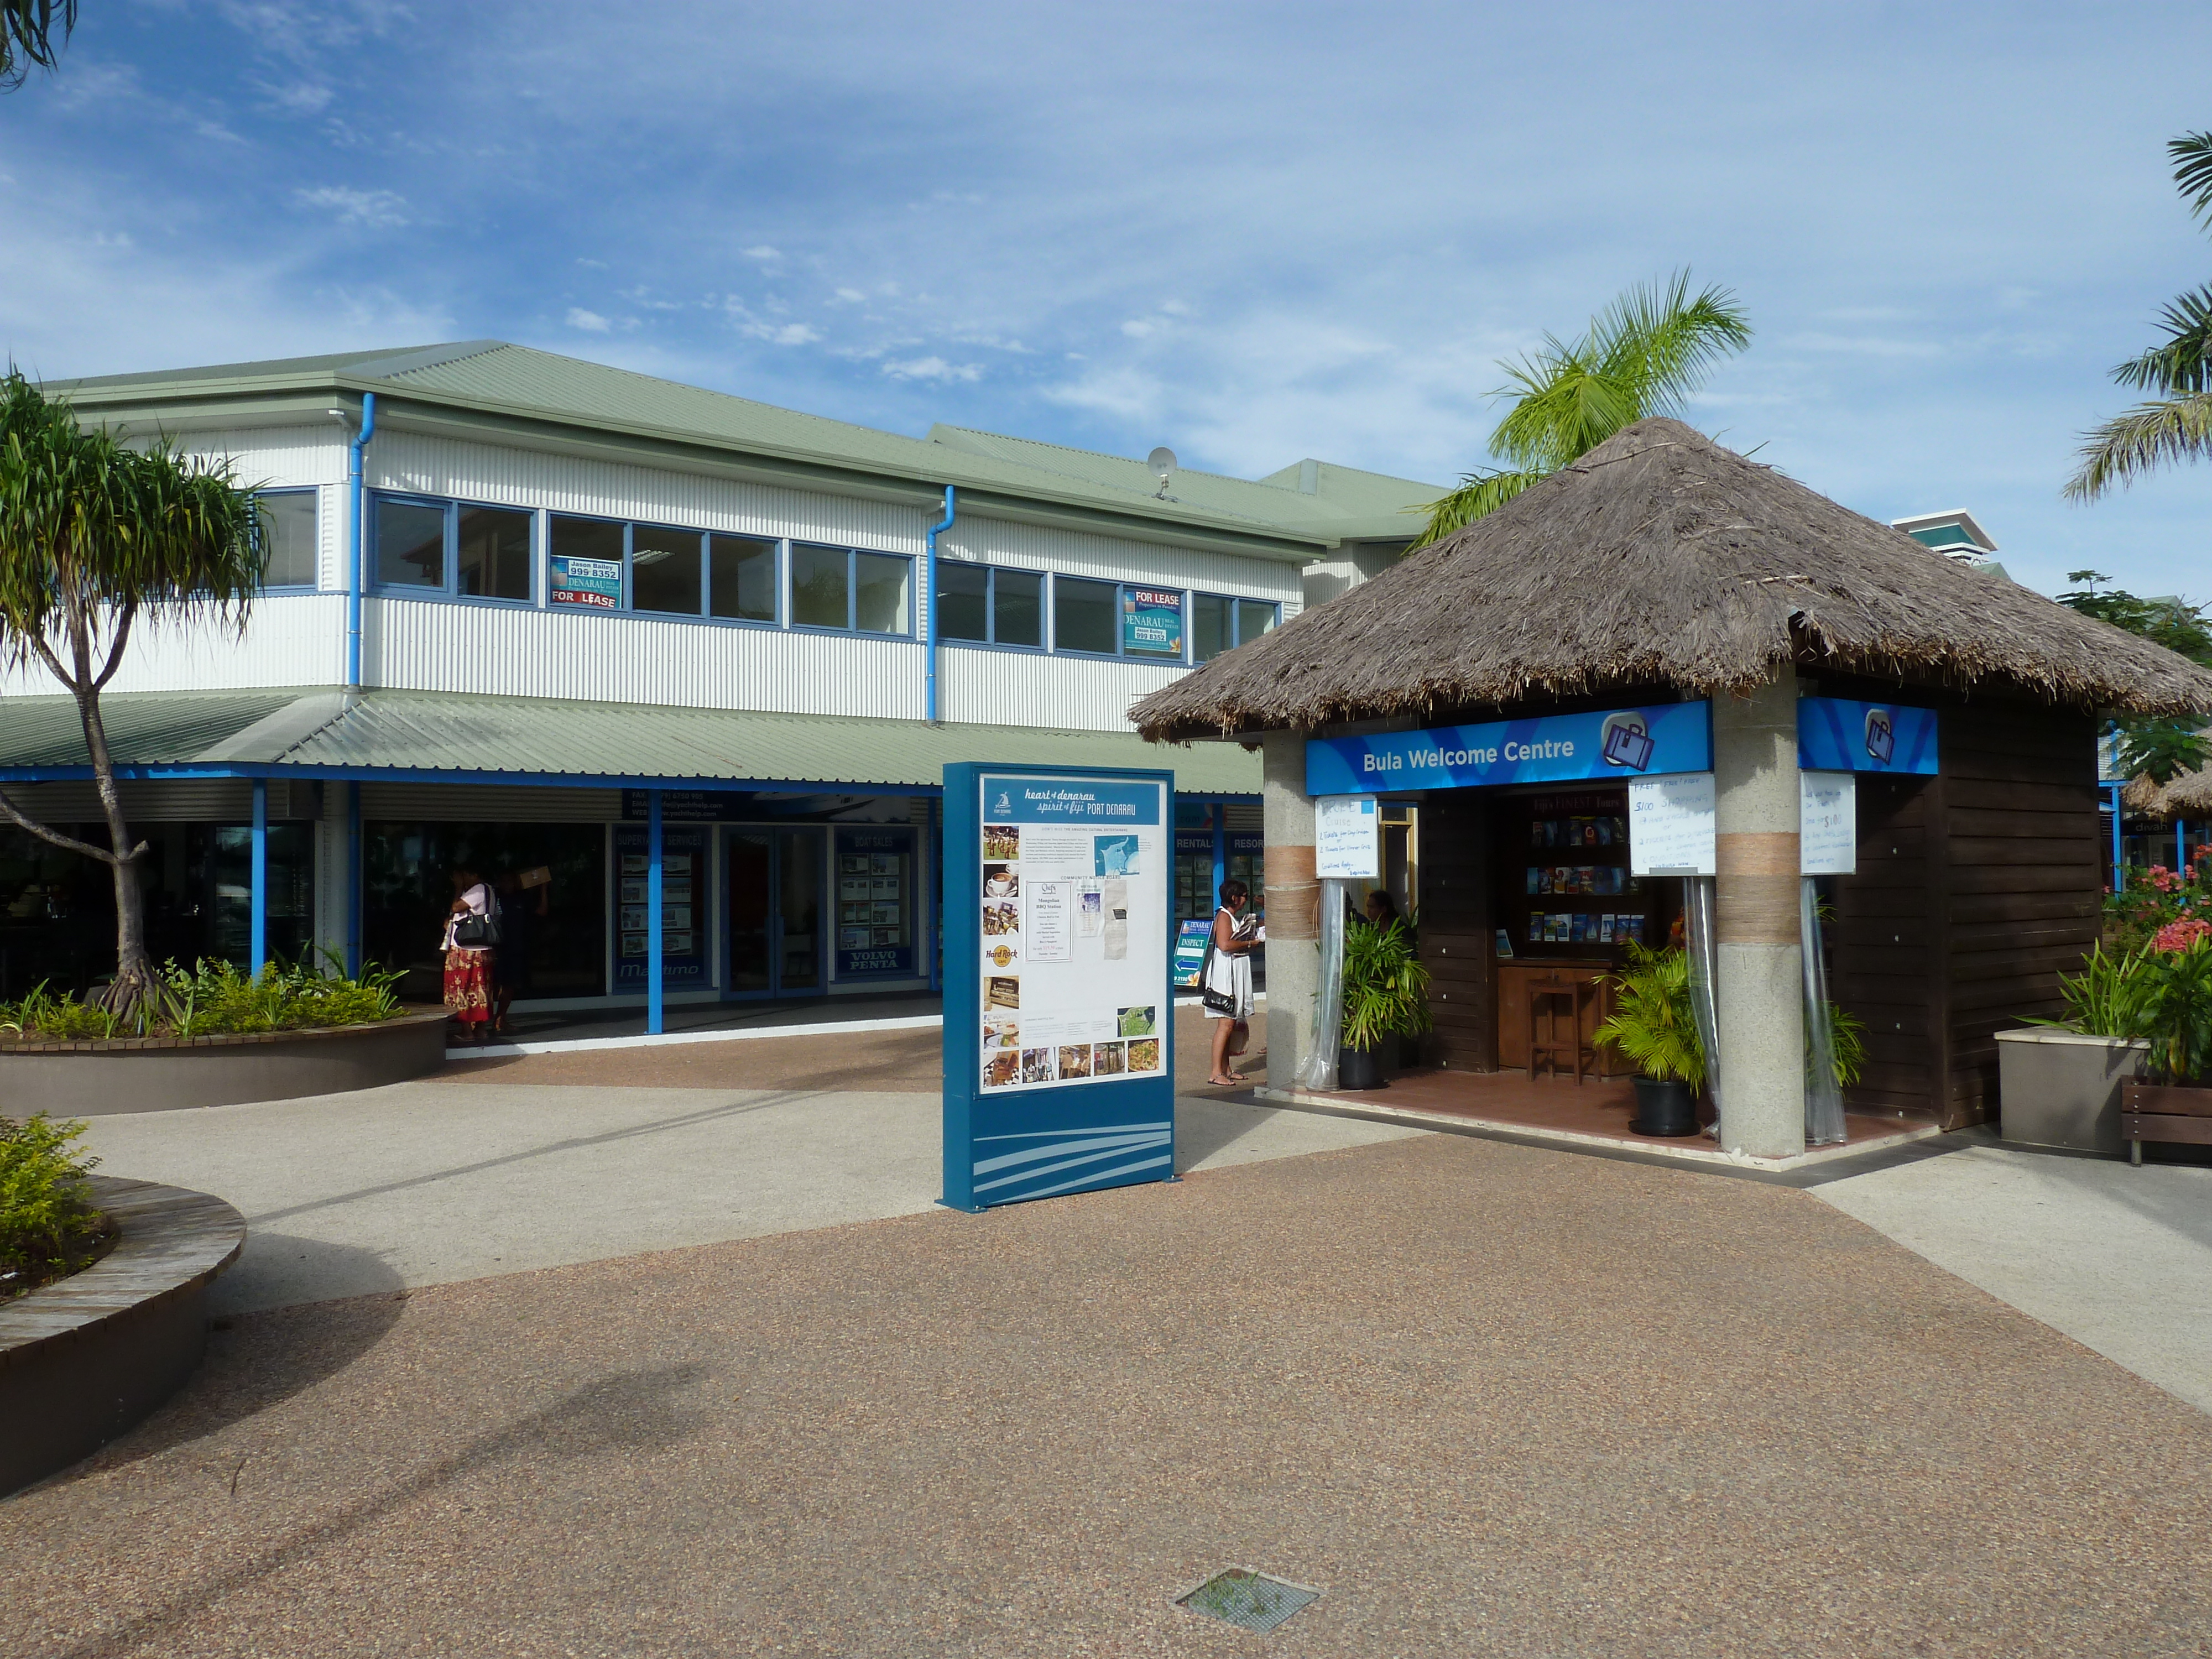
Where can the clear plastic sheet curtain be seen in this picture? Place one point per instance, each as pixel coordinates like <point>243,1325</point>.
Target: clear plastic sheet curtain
<point>1704,964</point>
<point>1319,1072</point>
<point>1824,1100</point>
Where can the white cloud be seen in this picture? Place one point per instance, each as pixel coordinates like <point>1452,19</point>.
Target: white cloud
<point>933,368</point>
<point>763,253</point>
<point>590,321</point>
<point>851,297</point>
<point>378,209</point>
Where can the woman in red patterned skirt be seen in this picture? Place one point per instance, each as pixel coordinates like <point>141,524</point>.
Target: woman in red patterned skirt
<point>468,989</point>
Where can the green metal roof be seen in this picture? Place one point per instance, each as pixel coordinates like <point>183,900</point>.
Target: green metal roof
<point>493,382</point>
<point>573,742</point>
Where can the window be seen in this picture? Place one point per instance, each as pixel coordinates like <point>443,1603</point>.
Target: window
<point>837,587</point>
<point>1085,615</point>
<point>585,563</point>
<point>288,528</point>
<point>821,586</point>
<point>741,578</point>
<point>493,552</point>
<point>1218,623</point>
<point>993,607</point>
<point>410,544</point>
<point>664,570</point>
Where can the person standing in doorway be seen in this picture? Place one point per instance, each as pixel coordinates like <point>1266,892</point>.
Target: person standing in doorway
<point>1225,982</point>
<point>520,909</point>
<point>471,936</point>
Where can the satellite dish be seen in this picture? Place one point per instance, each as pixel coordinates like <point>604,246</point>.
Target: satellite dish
<point>1162,463</point>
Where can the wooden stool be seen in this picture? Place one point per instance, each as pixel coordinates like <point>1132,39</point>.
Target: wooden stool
<point>1549,999</point>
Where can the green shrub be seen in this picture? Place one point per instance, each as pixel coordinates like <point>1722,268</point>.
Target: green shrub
<point>1386,988</point>
<point>214,998</point>
<point>48,1225</point>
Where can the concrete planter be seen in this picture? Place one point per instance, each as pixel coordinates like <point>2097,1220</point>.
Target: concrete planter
<point>82,1360</point>
<point>2060,1091</point>
<point>157,1074</point>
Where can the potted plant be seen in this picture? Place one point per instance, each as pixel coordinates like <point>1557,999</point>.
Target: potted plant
<point>1386,994</point>
<point>2059,1081</point>
<point>2173,1012</point>
<point>1654,1027</point>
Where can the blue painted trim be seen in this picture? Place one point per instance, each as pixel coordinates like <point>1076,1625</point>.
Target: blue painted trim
<point>355,575</point>
<point>256,948</point>
<point>2119,870</point>
<point>656,1008</point>
<point>1220,856</point>
<point>929,580</point>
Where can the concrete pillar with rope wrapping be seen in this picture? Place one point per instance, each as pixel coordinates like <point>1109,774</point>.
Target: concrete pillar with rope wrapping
<point>1758,985</point>
<point>1293,907</point>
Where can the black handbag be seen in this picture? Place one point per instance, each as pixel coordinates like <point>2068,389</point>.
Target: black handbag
<point>1216,1000</point>
<point>473,931</point>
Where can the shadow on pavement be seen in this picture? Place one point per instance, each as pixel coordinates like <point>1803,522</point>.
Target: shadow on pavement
<point>1205,1127</point>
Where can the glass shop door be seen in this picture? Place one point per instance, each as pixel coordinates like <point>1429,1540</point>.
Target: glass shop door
<point>776,911</point>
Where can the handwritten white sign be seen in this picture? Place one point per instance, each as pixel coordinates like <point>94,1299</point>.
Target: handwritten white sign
<point>1670,825</point>
<point>1827,823</point>
<point>1346,846</point>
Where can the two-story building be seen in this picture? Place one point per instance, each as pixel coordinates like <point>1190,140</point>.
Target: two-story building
<point>539,619</point>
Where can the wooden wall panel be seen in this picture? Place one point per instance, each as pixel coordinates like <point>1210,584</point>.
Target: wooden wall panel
<point>1457,928</point>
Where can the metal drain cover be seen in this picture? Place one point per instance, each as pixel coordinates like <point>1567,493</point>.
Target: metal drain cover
<point>1248,1600</point>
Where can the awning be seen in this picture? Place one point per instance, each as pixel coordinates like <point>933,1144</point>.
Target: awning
<point>430,737</point>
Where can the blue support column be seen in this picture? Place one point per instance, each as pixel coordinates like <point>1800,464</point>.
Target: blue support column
<point>2180,847</point>
<point>655,1012</point>
<point>2119,871</point>
<point>256,948</point>
<point>929,878</point>
<point>1220,813</point>
<point>353,879</point>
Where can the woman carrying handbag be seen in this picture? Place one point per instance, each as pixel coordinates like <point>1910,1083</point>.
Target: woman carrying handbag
<point>472,940</point>
<point>1224,980</point>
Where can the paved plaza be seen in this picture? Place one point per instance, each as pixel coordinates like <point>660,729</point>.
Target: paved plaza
<point>650,1352</point>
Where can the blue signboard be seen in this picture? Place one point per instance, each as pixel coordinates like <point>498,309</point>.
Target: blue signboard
<point>595,584</point>
<point>1836,734</point>
<point>1151,620</point>
<point>1190,951</point>
<point>1059,1012</point>
<point>876,895</point>
<point>683,930</point>
<point>1618,742</point>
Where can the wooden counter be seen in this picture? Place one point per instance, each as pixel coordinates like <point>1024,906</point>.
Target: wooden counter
<point>1513,981</point>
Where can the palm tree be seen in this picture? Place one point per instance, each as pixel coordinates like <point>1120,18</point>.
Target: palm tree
<point>27,36</point>
<point>97,539</point>
<point>2177,424</point>
<point>1643,356</point>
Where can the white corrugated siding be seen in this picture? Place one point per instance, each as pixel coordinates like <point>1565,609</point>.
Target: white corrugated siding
<point>289,457</point>
<point>1034,547</point>
<point>1015,688</point>
<point>295,638</point>
<point>509,651</point>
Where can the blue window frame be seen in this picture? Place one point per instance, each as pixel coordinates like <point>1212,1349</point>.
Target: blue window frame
<point>850,591</point>
<point>1220,622</point>
<point>985,605</point>
<point>452,549</point>
<point>1094,619</point>
<point>290,534</point>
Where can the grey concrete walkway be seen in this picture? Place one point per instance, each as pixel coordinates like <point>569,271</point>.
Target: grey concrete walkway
<point>2117,1258</point>
<point>431,1182</point>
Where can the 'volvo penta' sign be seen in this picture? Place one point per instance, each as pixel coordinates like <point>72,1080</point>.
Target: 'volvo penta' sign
<point>1620,743</point>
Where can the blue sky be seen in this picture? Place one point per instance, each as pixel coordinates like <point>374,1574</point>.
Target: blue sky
<point>1251,233</point>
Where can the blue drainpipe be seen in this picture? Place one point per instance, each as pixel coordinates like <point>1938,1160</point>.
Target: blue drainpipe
<point>360,513</point>
<point>929,578</point>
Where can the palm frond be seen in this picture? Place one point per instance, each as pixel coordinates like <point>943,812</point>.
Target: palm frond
<point>1661,343</point>
<point>1479,494</point>
<point>2180,363</point>
<point>2141,439</point>
<point>2192,172</point>
<point>1566,405</point>
<point>32,32</point>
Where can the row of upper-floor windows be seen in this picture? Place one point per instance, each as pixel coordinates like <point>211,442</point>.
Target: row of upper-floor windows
<point>429,547</point>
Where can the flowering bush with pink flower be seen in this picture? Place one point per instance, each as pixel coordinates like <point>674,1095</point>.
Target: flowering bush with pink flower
<point>2180,935</point>
<point>2157,902</point>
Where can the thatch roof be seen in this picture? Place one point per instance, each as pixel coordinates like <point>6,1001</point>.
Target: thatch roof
<point>2186,795</point>
<point>1660,558</point>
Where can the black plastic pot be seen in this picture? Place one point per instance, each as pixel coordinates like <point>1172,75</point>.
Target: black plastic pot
<point>1664,1107</point>
<point>1359,1068</point>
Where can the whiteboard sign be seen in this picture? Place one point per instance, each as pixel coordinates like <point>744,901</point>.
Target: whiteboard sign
<point>1670,825</point>
<point>1827,823</point>
<point>1346,846</point>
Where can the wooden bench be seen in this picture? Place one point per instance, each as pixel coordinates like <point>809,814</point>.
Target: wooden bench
<point>2158,1111</point>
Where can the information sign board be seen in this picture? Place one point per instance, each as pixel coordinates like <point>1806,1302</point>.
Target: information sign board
<point>1670,825</point>
<point>1152,621</point>
<point>1618,743</point>
<point>595,584</point>
<point>1827,823</point>
<point>683,895</point>
<point>1190,952</point>
<point>1058,1029</point>
<point>1347,844</point>
<point>1840,734</point>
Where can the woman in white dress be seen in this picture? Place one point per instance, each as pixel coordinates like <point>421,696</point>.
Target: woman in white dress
<point>1226,986</point>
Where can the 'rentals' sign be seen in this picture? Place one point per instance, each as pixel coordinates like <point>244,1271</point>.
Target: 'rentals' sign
<point>1613,744</point>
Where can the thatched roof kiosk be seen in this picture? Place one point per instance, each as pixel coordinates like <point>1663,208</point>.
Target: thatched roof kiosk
<point>1662,567</point>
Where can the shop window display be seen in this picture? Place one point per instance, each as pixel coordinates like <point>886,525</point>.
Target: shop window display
<point>554,873</point>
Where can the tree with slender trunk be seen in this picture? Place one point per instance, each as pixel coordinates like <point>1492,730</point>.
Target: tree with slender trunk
<point>32,32</point>
<point>1643,356</point>
<point>2176,424</point>
<point>98,538</point>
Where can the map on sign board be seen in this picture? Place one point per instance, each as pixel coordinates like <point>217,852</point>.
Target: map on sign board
<point>1347,844</point>
<point>1827,823</point>
<point>1670,825</point>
